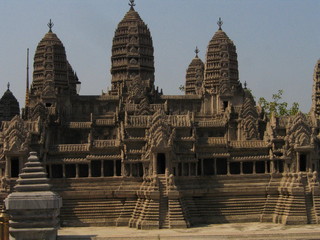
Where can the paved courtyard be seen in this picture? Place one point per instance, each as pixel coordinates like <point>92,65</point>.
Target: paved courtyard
<point>247,231</point>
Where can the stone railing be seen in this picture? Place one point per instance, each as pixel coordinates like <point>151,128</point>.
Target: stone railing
<point>217,140</point>
<point>79,125</point>
<point>179,121</point>
<point>156,107</point>
<point>212,123</point>
<point>105,122</point>
<point>213,141</point>
<point>70,148</point>
<point>130,107</point>
<point>106,143</point>
<point>248,144</point>
<point>138,121</point>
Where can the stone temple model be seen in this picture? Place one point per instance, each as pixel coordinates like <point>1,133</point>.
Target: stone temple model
<point>136,157</point>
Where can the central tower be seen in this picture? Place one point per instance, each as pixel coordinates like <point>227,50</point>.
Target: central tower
<point>132,53</point>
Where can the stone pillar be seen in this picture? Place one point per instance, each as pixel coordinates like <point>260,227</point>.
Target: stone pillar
<point>202,171</point>
<point>63,170</point>
<point>32,207</point>
<point>89,169</point>
<point>102,168</point>
<point>114,168</point>
<point>7,170</point>
<point>77,170</point>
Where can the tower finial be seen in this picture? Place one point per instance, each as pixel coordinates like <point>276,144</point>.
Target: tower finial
<point>245,85</point>
<point>220,23</point>
<point>131,4</point>
<point>8,85</point>
<point>50,25</point>
<point>197,51</point>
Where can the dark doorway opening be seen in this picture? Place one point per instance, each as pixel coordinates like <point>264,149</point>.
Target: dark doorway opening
<point>208,166</point>
<point>71,170</point>
<point>15,167</point>
<point>95,168</point>
<point>161,163</point>
<point>303,162</point>
<point>56,171</point>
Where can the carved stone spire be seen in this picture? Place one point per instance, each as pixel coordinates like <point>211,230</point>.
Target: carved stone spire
<point>194,76</point>
<point>132,52</point>
<point>221,62</point>
<point>27,80</point>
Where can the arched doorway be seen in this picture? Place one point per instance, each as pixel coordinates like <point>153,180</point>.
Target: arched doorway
<point>161,163</point>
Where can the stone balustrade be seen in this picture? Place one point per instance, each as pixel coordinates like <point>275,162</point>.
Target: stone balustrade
<point>105,122</point>
<point>106,143</point>
<point>212,123</point>
<point>179,121</point>
<point>70,148</point>
<point>81,125</point>
<point>138,121</point>
<point>248,144</point>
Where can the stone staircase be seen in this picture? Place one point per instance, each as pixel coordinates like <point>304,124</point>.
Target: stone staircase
<point>164,203</point>
<point>311,214</point>
<point>96,212</point>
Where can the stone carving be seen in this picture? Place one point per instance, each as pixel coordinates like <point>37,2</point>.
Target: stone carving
<point>249,117</point>
<point>17,137</point>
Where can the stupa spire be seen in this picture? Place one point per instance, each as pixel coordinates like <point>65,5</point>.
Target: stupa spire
<point>27,80</point>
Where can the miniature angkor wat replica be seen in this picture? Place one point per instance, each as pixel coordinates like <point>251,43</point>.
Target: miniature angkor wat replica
<point>136,157</point>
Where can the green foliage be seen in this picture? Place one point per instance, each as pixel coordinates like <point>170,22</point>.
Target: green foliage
<point>277,106</point>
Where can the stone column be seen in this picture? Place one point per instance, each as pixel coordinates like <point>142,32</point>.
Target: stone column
<point>7,167</point>
<point>202,170</point>
<point>102,169</point>
<point>89,169</point>
<point>77,170</point>
<point>114,168</point>
<point>63,170</point>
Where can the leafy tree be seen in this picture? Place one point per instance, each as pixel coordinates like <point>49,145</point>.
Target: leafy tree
<point>277,106</point>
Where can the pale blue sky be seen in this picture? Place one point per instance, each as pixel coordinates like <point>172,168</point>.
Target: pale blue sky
<point>278,42</point>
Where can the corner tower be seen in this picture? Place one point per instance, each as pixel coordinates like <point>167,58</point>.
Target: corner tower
<point>221,67</point>
<point>132,53</point>
<point>9,106</point>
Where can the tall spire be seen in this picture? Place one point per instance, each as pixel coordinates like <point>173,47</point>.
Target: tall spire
<point>50,25</point>
<point>27,80</point>
<point>8,85</point>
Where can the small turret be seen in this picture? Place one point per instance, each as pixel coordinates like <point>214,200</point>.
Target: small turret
<point>9,106</point>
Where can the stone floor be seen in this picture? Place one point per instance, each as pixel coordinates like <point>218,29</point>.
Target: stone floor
<point>248,231</point>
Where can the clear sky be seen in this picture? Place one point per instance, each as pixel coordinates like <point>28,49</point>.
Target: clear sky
<point>278,41</point>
